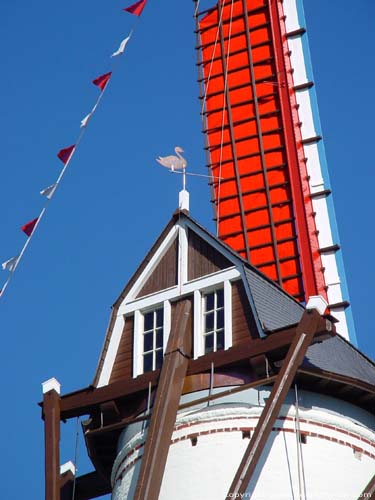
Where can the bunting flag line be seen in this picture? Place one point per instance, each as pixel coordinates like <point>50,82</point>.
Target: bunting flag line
<point>48,191</point>
<point>136,8</point>
<point>28,228</point>
<point>10,264</point>
<point>65,154</point>
<point>122,46</point>
<point>102,80</point>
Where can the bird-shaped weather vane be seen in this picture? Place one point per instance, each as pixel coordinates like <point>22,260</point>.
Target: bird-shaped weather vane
<point>175,163</point>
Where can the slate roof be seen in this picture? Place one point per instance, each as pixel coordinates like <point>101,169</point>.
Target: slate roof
<point>338,356</point>
<point>275,308</point>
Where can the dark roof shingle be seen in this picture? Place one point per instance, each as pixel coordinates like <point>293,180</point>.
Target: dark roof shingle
<point>275,308</point>
<point>338,356</point>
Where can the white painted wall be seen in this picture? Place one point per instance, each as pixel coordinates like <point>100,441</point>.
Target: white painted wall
<point>334,469</point>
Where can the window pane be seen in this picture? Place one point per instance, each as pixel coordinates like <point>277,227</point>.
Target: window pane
<point>209,301</point>
<point>159,317</point>
<point>220,319</point>
<point>220,340</point>
<point>159,337</point>
<point>148,321</point>
<point>209,322</point>
<point>209,343</point>
<point>148,342</point>
<point>220,298</point>
<point>158,358</point>
<point>147,362</point>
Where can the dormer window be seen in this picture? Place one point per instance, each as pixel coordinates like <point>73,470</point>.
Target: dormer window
<point>153,339</point>
<point>213,320</point>
<point>151,330</point>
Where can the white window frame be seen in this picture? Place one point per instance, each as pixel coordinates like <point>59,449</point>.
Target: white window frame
<point>139,329</point>
<point>198,316</point>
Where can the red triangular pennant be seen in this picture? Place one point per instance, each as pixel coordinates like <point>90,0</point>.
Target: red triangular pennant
<point>65,154</point>
<point>136,8</point>
<point>28,228</point>
<point>102,80</point>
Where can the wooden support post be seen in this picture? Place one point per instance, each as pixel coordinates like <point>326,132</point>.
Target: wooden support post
<point>67,475</point>
<point>51,415</point>
<point>310,323</point>
<point>166,404</point>
<point>369,491</point>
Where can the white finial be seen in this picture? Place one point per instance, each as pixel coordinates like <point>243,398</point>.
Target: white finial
<point>51,384</point>
<point>317,302</point>
<point>183,200</point>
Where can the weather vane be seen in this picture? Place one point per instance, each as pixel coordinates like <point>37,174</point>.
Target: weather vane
<point>175,163</point>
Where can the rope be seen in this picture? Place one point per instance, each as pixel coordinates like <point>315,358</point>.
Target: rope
<point>76,459</point>
<point>300,465</point>
<point>194,174</point>
<point>206,86</point>
<point>223,117</point>
<point>211,383</point>
<point>212,59</point>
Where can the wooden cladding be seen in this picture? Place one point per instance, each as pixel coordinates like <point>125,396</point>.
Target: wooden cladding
<point>203,259</point>
<point>123,365</point>
<point>243,324</point>
<point>243,327</point>
<point>165,273</point>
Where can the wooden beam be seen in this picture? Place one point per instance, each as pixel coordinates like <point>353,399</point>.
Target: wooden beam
<point>66,485</point>
<point>91,485</point>
<point>131,420</point>
<point>86,487</point>
<point>310,323</point>
<point>166,404</point>
<point>86,400</point>
<point>51,414</point>
<point>323,375</point>
<point>369,491</point>
<point>254,347</point>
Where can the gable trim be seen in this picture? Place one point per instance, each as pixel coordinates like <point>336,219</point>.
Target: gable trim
<point>179,291</point>
<point>110,356</point>
<point>155,259</point>
<point>182,254</point>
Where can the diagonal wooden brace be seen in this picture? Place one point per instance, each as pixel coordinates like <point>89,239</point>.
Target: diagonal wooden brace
<point>166,404</point>
<point>369,491</point>
<point>310,324</point>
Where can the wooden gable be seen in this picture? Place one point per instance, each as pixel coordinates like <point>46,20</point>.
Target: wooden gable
<point>203,258</point>
<point>123,365</point>
<point>185,262</point>
<point>165,273</point>
<point>243,322</point>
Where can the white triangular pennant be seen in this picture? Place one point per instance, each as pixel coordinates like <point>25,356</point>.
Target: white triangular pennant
<point>86,119</point>
<point>121,49</point>
<point>48,191</point>
<point>10,264</point>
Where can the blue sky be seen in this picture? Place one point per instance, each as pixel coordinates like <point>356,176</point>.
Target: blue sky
<point>115,199</point>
